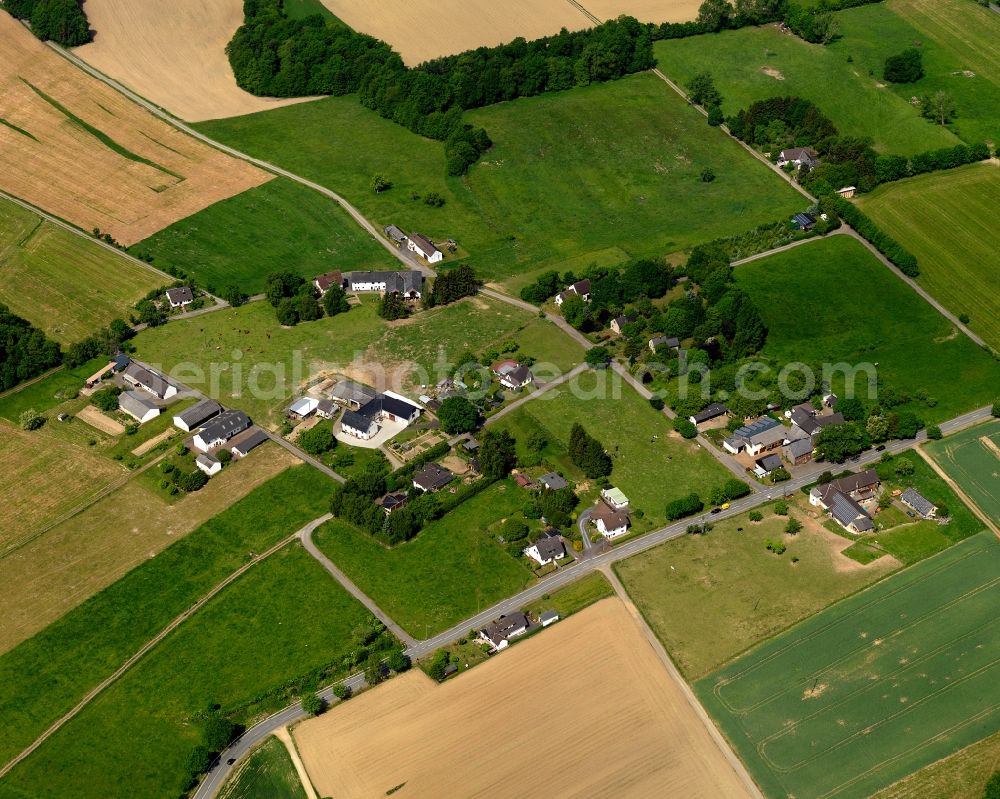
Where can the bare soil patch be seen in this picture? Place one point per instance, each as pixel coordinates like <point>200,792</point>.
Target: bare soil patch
<point>811,525</point>
<point>420,30</point>
<point>621,726</point>
<point>771,72</point>
<point>73,561</point>
<point>85,153</point>
<point>99,421</point>
<point>146,446</point>
<point>173,54</point>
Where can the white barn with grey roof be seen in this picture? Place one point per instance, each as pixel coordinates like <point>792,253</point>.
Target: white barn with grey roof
<point>220,430</point>
<point>138,405</point>
<point>197,415</point>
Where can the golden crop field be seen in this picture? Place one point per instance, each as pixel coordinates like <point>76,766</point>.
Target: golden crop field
<point>644,10</point>
<point>585,708</point>
<point>82,151</point>
<point>173,54</point>
<point>53,574</point>
<point>426,29</point>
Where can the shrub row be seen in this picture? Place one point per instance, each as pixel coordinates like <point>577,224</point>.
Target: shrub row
<point>882,241</point>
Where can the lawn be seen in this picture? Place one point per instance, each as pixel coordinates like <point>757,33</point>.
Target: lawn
<point>268,773</point>
<point>46,675</point>
<point>955,38</point>
<point>239,653</point>
<point>452,569</point>
<point>652,465</point>
<point>61,283</point>
<point>243,357</point>
<point>873,688</point>
<point>756,63</point>
<point>276,226</point>
<point>963,775</point>
<point>571,175</point>
<point>940,217</point>
<point>574,597</point>
<point>710,597</point>
<point>975,466</point>
<point>831,302</point>
<point>48,392</point>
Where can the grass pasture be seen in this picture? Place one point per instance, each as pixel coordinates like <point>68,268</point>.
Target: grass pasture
<point>807,296</point>
<point>60,283</point>
<point>237,652</point>
<point>279,225</point>
<point>710,597</point>
<point>622,725</point>
<point>941,219</point>
<point>651,464</point>
<point>973,464</point>
<point>873,688</point>
<point>756,63</point>
<point>453,568</point>
<point>572,175</point>
<point>268,773</point>
<point>43,677</point>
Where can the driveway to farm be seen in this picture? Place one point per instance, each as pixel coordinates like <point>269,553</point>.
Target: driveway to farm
<point>581,525</point>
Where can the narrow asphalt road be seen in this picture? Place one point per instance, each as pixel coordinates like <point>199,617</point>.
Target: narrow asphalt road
<point>305,536</point>
<point>581,525</point>
<point>559,579</point>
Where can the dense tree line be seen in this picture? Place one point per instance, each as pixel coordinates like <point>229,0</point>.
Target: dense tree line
<point>883,242</point>
<point>588,454</point>
<point>107,341</point>
<point>61,21</point>
<point>453,285</point>
<point>25,352</point>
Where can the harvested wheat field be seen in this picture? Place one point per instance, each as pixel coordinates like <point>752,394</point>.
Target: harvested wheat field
<point>45,579</point>
<point>420,31</point>
<point>643,10</point>
<point>82,151</point>
<point>583,709</point>
<point>173,54</point>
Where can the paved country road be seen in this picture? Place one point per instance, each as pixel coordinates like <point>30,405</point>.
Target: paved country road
<point>217,776</point>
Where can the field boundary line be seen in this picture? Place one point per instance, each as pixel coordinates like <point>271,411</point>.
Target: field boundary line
<point>142,651</point>
<point>36,379</point>
<point>954,486</point>
<point>678,679</point>
<point>284,734</point>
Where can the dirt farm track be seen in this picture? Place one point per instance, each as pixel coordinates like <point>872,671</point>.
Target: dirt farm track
<point>173,53</point>
<point>83,152</point>
<point>583,709</point>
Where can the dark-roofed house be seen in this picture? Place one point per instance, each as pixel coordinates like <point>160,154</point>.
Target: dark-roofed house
<point>409,283</point>
<point>325,282</point>
<point>849,514</point>
<point>860,486</point>
<point>351,394</point>
<point>713,411</point>
<point>919,503</point>
<point>804,221</point>
<point>799,450</point>
<point>358,425</point>
<point>764,466</point>
<point>548,548</point>
<point>581,288</point>
<point>799,156</point>
<point>222,428</point>
<point>391,502</point>
<point>512,375</point>
<point>180,296</point>
<point>209,464</point>
<point>660,342</point>
<point>432,477</point>
<point>395,235</point>
<point>137,405</point>
<point>148,380</point>
<point>195,416</point>
<point>498,633</point>
<point>424,247</point>
<point>806,419</point>
<point>619,322</point>
<point>553,481</point>
<point>610,523</point>
<point>241,444</point>
<point>325,409</point>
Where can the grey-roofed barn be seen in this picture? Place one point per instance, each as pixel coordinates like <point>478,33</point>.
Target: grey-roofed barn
<point>197,415</point>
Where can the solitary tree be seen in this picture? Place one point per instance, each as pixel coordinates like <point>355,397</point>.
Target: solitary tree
<point>381,183</point>
<point>939,107</point>
<point>313,704</point>
<point>702,90</point>
<point>318,439</point>
<point>458,415</point>
<point>497,454</point>
<point>335,301</point>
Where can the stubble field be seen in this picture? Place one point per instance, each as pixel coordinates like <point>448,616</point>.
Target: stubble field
<point>173,54</point>
<point>80,150</point>
<point>583,709</point>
